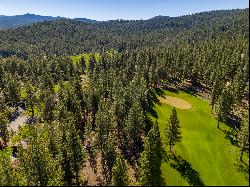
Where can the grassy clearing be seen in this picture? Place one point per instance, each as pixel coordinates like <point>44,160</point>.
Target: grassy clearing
<point>37,111</point>
<point>56,88</point>
<point>204,150</point>
<point>23,93</point>
<point>86,57</point>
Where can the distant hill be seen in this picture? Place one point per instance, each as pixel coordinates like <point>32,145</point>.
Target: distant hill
<point>85,20</point>
<point>70,37</point>
<point>7,22</point>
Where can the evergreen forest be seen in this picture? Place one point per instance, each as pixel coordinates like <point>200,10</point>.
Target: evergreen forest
<point>154,102</point>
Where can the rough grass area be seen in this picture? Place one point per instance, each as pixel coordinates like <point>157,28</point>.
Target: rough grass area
<point>205,155</point>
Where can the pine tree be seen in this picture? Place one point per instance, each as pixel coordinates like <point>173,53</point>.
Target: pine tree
<point>48,113</point>
<point>93,106</point>
<point>12,89</point>
<point>216,91</point>
<point>133,129</point>
<point>4,115</point>
<point>71,150</point>
<point>7,173</point>
<point>76,151</point>
<point>240,83</point>
<point>106,139</point>
<point>37,163</point>
<point>53,138</point>
<point>120,172</point>
<point>65,160</point>
<point>244,136</point>
<point>31,99</point>
<point>108,157</point>
<point>172,130</point>
<point>92,62</point>
<point>83,64</point>
<point>4,133</point>
<point>224,106</point>
<point>150,160</point>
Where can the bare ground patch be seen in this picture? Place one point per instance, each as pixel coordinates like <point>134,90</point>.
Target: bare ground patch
<point>176,102</point>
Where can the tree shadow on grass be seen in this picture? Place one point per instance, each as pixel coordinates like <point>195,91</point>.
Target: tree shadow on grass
<point>243,168</point>
<point>171,89</point>
<point>159,91</point>
<point>232,137</point>
<point>152,98</point>
<point>186,171</point>
<point>192,90</point>
<point>234,123</point>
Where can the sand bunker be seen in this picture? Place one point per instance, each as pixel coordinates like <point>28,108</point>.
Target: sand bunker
<point>176,102</point>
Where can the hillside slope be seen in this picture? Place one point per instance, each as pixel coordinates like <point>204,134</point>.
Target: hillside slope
<point>7,22</point>
<point>69,37</point>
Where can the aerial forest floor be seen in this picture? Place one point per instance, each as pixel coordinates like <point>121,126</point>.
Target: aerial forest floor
<point>206,155</point>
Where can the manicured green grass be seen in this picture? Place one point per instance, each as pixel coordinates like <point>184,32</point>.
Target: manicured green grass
<point>203,145</point>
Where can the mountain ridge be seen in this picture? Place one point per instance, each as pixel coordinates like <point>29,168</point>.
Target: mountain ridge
<point>8,22</point>
<point>70,37</point>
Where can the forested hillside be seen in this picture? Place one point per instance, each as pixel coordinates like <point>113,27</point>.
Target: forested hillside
<point>89,95</point>
<point>68,37</point>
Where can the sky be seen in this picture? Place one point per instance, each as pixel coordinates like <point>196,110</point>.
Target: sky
<point>103,10</point>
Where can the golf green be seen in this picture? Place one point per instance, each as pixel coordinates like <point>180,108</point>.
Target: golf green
<point>205,155</point>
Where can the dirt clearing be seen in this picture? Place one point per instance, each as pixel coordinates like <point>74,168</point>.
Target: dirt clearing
<point>176,102</point>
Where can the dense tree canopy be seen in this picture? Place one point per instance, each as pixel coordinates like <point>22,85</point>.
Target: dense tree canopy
<point>97,103</point>
<point>70,37</point>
